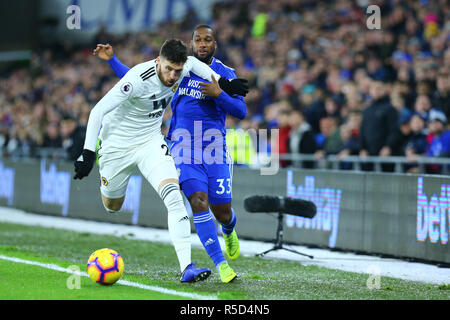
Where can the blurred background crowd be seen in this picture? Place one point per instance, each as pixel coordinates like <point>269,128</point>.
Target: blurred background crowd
<point>318,74</point>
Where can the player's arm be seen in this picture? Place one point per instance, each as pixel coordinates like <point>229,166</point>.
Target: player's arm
<point>234,86</point>
<point>106,52</point>
<point>233,105</point>
<point>125,89</point>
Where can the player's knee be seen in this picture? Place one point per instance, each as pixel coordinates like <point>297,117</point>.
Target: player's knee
<point>199,201</point>
<point>171,195</point>
<point>113,205</point>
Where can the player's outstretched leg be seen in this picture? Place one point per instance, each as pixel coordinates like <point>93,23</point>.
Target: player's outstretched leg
<point>193,274</point>
<point>207,233</point>
<point>180,232</point>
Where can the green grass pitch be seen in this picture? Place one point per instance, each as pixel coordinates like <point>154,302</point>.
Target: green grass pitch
<point>155,264</point>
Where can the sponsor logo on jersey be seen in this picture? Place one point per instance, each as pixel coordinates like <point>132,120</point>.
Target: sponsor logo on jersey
<point>104,181</point>
<point>192,90</point>
<point>156,114</point>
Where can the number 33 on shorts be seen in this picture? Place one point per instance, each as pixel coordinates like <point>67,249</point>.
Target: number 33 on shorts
<point>224,189</point>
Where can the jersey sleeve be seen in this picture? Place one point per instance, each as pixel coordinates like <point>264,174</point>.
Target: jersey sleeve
<point>118,67</point>
<point>232,105</point>
<point>200,69</point>
<point>128,87</point>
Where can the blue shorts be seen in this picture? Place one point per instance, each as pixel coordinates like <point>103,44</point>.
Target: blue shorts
<point>213,179</point>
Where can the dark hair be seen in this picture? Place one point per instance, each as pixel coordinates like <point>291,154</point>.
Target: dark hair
<point>206,26</point>
<point>174,50</point>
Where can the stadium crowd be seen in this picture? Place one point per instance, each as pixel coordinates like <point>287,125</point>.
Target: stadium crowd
<point>331,85</point>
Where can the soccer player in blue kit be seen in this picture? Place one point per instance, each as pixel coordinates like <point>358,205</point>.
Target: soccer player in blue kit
<point>200,108</point>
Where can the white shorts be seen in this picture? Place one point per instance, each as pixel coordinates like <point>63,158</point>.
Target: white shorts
<point>117,165</point>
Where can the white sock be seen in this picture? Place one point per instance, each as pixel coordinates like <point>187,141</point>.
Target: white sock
<point>178,223</point>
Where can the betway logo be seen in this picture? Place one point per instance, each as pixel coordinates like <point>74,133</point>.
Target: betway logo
<point>7,183</point>
<point>433,216</point>
<point>327,201</point>
<point>55,186</point>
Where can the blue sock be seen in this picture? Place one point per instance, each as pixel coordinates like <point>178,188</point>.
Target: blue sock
<point>207,232</point>
<point>228,228</point>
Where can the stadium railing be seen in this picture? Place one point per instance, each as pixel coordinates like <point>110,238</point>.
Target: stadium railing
<point>52,153</point>
<point>331,162</point>
<point>356,162</point>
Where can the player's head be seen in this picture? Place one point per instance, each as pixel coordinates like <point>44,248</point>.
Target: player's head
<point>203,43</point>
<point>377,90</point>
<point>437,122</point>
<point>171,59</point>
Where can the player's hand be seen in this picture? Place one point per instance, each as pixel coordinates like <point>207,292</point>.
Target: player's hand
<point>104,51</point>
<point>385,151</point>
<point>84,164</point>
<point>210,89</point>
<point>237,86</point>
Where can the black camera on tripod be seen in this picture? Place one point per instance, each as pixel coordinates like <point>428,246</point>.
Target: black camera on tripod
<point>282,205</point>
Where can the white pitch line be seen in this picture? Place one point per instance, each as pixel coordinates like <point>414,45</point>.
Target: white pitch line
<point>345,261</point>
<point>122,282</point>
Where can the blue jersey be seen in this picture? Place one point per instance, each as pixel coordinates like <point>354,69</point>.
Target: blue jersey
<point>189,105</point>
<point>197,114</point>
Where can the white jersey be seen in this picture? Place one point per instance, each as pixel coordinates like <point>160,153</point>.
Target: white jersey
<point>131,112</point>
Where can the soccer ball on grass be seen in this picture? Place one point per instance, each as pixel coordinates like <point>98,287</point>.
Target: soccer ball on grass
<point>105,266</point>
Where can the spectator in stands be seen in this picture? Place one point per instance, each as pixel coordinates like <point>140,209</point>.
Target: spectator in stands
<point>398,102</point>
<point>441,96</point>
<point>333,106</point>
<point>313,106</point>
<point>240,142</point>
<point>284,129</point>
<point>376,70</point>
<point>73,136</point>
<point>440,143</point>
<point>417,144</point>
<point>19,145</point>
<point>437,126</point>
<point>291,51</point>
<point>379,132</point>
<point>423,106</point>
<point>301,138</point>
<point>52,137</point>
<point>405,132</point>
<point>332,144</point>
<point>350,134</point>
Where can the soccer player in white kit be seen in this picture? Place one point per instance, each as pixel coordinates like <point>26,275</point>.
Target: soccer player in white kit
<point>128,122</point>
